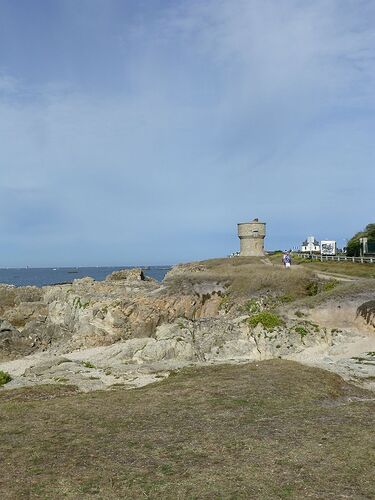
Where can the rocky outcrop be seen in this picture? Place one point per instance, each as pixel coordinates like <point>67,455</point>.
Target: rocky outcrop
<point>129,330</point>
<point>12,342</point>
<point>88,313</point>
<point>127,274</point>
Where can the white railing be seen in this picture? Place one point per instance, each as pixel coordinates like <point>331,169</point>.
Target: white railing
<point>338,258</point>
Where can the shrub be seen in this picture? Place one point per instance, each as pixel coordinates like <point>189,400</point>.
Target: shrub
<point>268,320</point>
<point>330,285</point>
<point>4,378</point>
<point>312,288</point>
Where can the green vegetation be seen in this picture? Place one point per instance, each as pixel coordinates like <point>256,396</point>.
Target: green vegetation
<point>315,287</point>
<point>353,247</point>
<point>4,378</point>
<point>252,306</point>
<point>268,320</point>
<point>265,430</point>
<point>312,288</point>
<point>301,330</point>
<point>330,285</point>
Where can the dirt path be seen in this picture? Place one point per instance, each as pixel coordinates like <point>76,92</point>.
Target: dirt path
<point>338,277</point>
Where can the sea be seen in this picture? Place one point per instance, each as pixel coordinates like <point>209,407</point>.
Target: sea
<point>41,276</point>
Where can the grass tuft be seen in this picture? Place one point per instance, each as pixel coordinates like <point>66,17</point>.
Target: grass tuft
<point>4,378</point>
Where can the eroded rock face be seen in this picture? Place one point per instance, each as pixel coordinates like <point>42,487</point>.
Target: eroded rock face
<point>88,313</point>
<point>131,329</point>
<point>367,312</point>
<point>12,342</point>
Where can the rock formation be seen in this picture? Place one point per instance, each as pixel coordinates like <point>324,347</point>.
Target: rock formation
<point>131,330</point>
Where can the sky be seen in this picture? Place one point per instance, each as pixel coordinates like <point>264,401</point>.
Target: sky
<point>142,131</point>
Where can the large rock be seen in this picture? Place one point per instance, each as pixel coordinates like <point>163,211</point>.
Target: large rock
<point>12,342</point>
<point>127,274</point>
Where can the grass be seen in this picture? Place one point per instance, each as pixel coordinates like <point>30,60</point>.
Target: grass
<point>301,330</point>
<point>355,269</point>
<point>244,277</point>
<point>274,429</point>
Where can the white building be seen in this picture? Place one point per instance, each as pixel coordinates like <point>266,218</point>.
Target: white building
<point>311,245</point>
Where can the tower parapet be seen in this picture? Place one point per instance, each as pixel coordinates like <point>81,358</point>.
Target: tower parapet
<point>251,235</point>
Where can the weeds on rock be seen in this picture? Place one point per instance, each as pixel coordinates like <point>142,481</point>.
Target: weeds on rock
<point>252,306</point>
<point>78,304</point>
<point>268,320</point>
<point>301,330</point>
<point>88,364</point>
<point>4,378</point>
<point>225,303</point>
<point>330,285</point>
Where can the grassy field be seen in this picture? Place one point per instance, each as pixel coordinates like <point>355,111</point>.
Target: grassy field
<point>273,429</point>
<point>354,269</point>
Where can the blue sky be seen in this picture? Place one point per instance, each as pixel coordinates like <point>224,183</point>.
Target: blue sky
<point>141,131</point>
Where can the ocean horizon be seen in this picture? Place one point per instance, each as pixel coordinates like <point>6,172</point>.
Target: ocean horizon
<point>43,276</point>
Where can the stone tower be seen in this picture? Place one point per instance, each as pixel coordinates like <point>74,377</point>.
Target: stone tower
<point>251,235</point>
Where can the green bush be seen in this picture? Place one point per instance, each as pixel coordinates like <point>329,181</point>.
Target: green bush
<point>268,320</point>
<point>4,378</point>
<point>329,285</point>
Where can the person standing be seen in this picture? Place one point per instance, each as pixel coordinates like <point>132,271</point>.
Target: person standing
<point>287,260</point>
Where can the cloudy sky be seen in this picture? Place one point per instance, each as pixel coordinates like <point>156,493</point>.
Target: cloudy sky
<point>142,131</point>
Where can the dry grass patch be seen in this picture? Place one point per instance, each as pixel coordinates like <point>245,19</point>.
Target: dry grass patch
<point>244,277</point>
<point>274,429</point>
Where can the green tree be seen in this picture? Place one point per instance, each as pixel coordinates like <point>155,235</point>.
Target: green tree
<point>353,247</point>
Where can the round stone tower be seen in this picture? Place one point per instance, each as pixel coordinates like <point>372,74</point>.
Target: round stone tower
<point>251,235</point>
